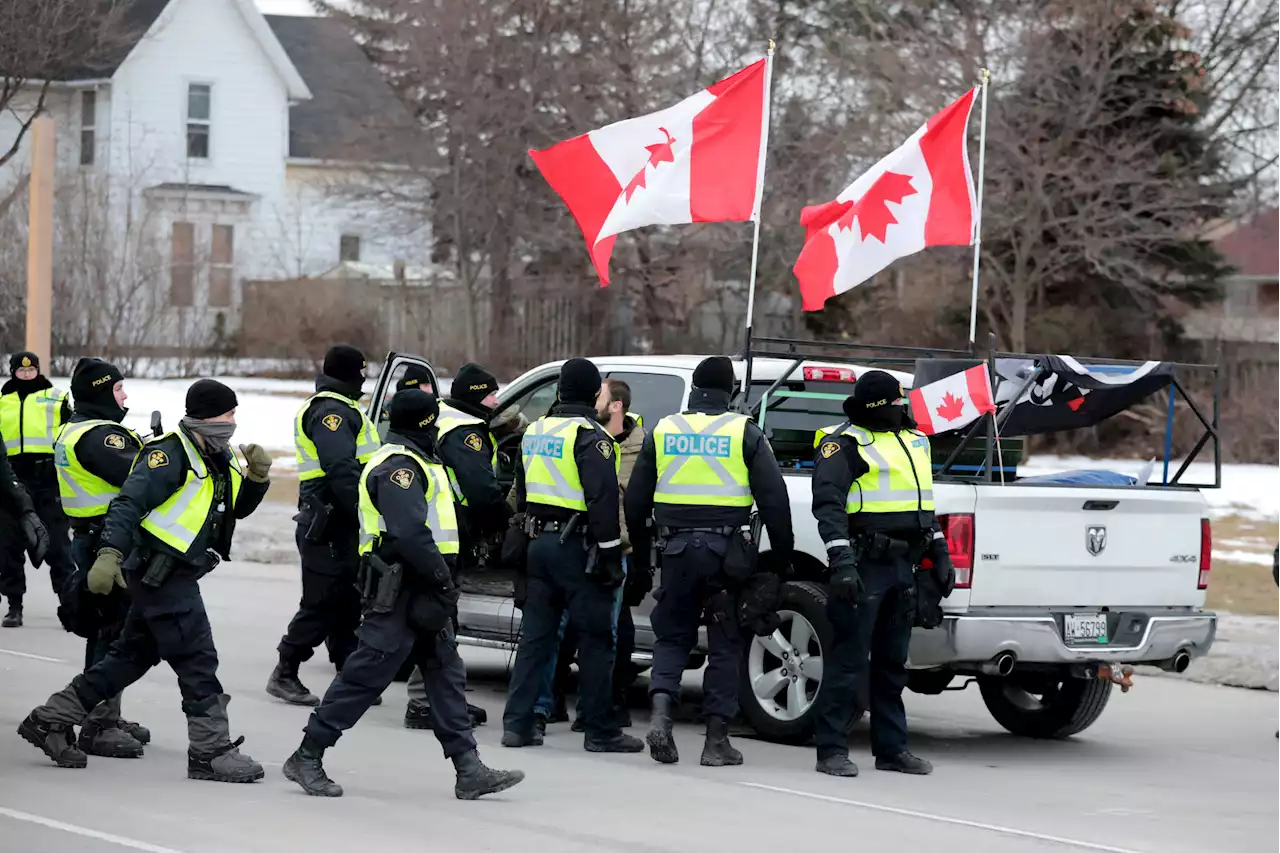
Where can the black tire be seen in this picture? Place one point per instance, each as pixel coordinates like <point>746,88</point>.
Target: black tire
<point>809,600</point>
<point>1067,708</point>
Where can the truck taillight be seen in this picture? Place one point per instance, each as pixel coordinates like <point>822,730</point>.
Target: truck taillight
<point>958,528</point>
<point>830,374</point>
<point>1206,553</point>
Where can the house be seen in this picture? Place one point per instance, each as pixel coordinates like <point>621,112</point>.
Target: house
<point>1247,320</point>
<point>221,145</point>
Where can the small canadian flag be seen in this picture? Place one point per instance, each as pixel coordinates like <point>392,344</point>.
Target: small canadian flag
<point>952,402</point>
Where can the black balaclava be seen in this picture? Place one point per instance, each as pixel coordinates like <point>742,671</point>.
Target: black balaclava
<point>413,417</point>
<point>579,382</point>
<point>875,403</point>
<point>93,384</point>
<point>346,364</point>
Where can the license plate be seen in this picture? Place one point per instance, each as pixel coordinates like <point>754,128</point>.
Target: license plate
<point>1084,628</point>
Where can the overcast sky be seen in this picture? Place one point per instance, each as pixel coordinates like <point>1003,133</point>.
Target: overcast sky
<point>285,7</point>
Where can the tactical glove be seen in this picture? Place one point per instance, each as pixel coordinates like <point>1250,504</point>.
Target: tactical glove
<point>37,537</point>
<point>609,566</point>
<point>845,581</point>
<point>257,460</point>
<point>105,572</point>
<point>944,573</point>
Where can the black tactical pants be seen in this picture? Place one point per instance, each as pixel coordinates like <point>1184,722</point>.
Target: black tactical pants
<point>691,563</point>
<point>40,480</point>
<point>167,624</point>
<point>386,641</point>
<point>871,642</point>
<point>110,615</point>
<point>558,581</point>
<point>329,611</point>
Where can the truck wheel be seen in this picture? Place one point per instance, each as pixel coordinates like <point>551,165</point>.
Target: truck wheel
<point>1058,709</point>
<point>782,673</point>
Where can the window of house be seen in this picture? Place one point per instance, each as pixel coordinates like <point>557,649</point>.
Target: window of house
<point>1268,295</point>
<point>88,123</point>
<point>349,247</point>
<point>182,265</point>
<point>221,261</point>
<point>199,98</point>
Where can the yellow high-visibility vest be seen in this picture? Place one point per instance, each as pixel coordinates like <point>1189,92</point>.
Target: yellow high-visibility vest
<point>29,424</point>
<point>308,458</point>
<point>450,419</point>
<point>178,521</point>
<point>84,495</point>
<point>551,473</point>
<point>442,518</point>
<point>700,460</point>
<point>900,478</point>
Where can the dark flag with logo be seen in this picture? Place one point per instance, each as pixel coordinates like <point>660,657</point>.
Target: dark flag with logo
<point>1069,395</point>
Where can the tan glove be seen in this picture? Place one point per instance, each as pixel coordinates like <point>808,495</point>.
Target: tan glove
<point>258,461</point>
<point>105,572</point>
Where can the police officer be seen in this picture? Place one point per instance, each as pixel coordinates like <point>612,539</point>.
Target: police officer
<point>31,411</point>
<point>873,499</point>
<point>470,457</point>
<point>699,473</point>
<point>177,513</point>
<point>19,521</point>
<point>333,440</point>
<point>94,454</point>
<point>568,489</point>
<point>408,535</point>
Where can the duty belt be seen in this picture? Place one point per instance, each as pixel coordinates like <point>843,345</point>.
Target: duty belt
<point>540,525</point>
<point>668,532</point>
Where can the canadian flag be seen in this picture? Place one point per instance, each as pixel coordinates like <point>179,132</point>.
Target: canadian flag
<point>952,402</point>
<point>699,161</point>
<point>920,195</point>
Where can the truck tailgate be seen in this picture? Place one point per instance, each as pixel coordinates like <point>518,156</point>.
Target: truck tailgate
<point>1056,546</point>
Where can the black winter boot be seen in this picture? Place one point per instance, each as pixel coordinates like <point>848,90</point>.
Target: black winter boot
<point>56,740</point>
<point>108,740</point>
<point>616,743</point>
<point>718,752</point>
<point>479,716</point>
<point>284,684</point>
<point>662,746</point>
<point>837,765</point>
<point>417,715</point>
<point>306,767</point>
<point>905,762</point>
<point>212,755</point>
<point>13,619</point>
<point>475,780</point>
<point>137,731</point>
<point>515,739</point>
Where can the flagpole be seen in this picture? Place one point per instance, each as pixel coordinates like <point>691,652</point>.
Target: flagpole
<point>755,240</point>
<point>977,225</point>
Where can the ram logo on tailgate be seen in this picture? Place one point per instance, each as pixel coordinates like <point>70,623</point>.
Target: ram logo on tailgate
<point>1095,539</point>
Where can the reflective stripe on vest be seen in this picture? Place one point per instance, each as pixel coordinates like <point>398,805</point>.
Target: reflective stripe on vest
<point>178,521</point>
<point>700,460</point>
<point>367,441</point>
<point>84,495</point>
<point>897,481</point>
<point>442,519</point>
<point>449,420</point>
<point>30,424</point>
<point>551,473</point>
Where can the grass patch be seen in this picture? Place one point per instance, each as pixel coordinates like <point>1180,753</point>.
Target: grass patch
<point>1242,588</point>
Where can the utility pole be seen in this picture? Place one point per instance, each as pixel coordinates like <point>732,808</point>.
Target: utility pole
<point>40,241</point>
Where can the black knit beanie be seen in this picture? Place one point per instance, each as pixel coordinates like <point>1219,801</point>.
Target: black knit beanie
<point>346,364</point>
<point>874,402</point>
<point>415,377</point>
<point>473,383</point>
<point>714,374</point>
<point>94,379</point>
<point>23,359</point>
<point>208,398</point>
<point>413,412</point>
<point>579,382</point>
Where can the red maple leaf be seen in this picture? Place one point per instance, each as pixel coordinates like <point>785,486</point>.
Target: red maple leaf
<point>659,152</point>
<point>952,407</point>
<point>871,210</point>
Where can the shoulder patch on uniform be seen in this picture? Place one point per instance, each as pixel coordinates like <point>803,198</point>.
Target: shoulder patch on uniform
<point>829,449</point>
<point>473,441</point>
<point>115,441</point>
<point>331,422</point>
<point>157,459</point>
<point>402,477</point>
<point>605,448</point>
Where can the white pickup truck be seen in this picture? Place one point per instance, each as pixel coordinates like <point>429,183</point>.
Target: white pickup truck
<point>1054,581</point>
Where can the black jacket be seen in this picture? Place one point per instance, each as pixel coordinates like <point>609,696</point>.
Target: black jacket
<point>598,475</point>
<point>336,450</point>
<point>25,464</point>
<point>763,475</point>
<point>14,499</point>
<point>154,479</point>
<point>468,452</point>
<point>402,502</point>
<point>837,464</point>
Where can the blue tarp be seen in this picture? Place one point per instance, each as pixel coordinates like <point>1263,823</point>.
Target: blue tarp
<point>1084,478</point>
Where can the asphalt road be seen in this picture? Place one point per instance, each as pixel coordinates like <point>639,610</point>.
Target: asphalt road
<point>1170,767</point>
